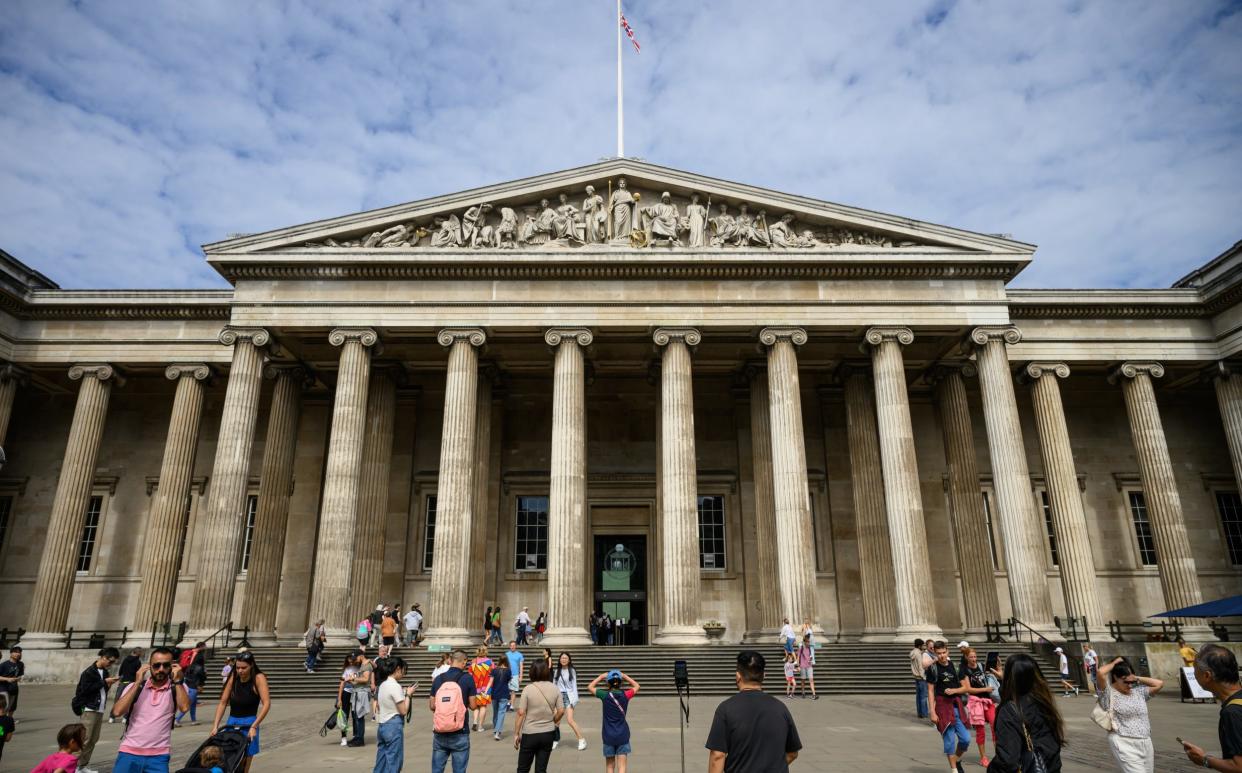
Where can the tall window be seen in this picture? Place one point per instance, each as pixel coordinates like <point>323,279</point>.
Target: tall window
<point>1230,506</point>
<point>530,546</point>
<point>90,534</point>
<point>429,534</point>
<point>252,507</point>
<point>1142,529</point>
<point>1046,506</point>
<point>711,532</point>
<point>987,518</point>
<point>6,507</point>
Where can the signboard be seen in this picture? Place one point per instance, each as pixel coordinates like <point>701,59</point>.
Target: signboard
<point>439,648</point>
<point>1191,689</point>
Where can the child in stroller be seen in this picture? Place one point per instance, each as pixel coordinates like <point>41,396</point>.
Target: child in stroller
<point>227,746</point>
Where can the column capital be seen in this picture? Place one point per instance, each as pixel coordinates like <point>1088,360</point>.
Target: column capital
<point>664,335</point>
<point>363,335</point>
<point>1036,370</point>
<point>1008,334</point>
<point>1222,369</point>
<point>554,336</point>
<point>10,372</point>
<point>257,336</point>
<point>292,370</point>
<point>199,371</point>
<point>99,370</point>
<point>878,335</point>
<point>770,335</point>
<point>450,335</point>
<point>942,370</point>
<point>847,369</point>
<point>1132,369</point>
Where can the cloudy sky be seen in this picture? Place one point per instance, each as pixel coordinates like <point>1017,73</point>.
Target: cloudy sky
<point>1108,133</point>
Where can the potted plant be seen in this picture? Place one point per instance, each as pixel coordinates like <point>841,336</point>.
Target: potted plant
<point>715,629</point>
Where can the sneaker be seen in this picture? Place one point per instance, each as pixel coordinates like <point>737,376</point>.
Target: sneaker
<point>555,744</point>
<point>344,742</point>
<point>983,761</point>
<point>111,720</point>
<point>496,736</point>
<point>814,697</point>
<point>581,744</point>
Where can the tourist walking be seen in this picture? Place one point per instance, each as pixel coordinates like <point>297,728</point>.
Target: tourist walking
<point>1091,663</point>
<point>516,659</point>
<point>69,741</point>
<point>487,626</point>
<point>314,641</point>
<point>452,697</point>
<point>195,677</point>
<point>248,700</point>
<point>615,698</point>
<point>362,632</point>
<point>388,630</point>
<point>395,613</point>
<point>360,699</point>
<point>149,706</point>
<point>11,673</point>
<point>521,626</point>
<point>1067,685</point>
<point>751,731</point>
<point>539,713</point>
<point>7,725</point>
<point>980,709</point>
<point>481,672</point>
<point>498,635</point>
<point>1124,695</point>
<point>394,704</point>
<point>126,674</point>
<point>501,695</point>
<point>565,678</point>
<point>788,638</point>
<point>791,676</point>
<point>377,618</point>
<point>91,698</point>
<point>446,662</point>
<point>947,710</point>
<point>1216,670</point>
<point>1027,722</point>
<point>345,696</point>
<point>920,684</point>
<point>541,625</point>
<point>414,624</point>
<point>806,667</point>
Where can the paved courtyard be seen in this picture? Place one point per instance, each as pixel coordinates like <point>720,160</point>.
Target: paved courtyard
<point>841,733</point>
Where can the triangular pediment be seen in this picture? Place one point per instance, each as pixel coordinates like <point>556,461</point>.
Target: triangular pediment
<point>632,205</point>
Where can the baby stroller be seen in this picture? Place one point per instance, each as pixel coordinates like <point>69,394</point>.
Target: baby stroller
<point>232,742</point>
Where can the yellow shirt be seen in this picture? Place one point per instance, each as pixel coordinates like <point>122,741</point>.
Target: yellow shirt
<point>1188,655</point>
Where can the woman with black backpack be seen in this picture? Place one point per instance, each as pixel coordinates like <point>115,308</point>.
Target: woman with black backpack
<point>1029,730</point>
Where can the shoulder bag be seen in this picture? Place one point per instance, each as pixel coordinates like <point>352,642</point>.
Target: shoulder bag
<point>1032,761</point>
<point>1105,718</point>
<point>556,734</point>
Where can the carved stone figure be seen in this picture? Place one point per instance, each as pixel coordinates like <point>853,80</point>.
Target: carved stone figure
<point>808,239</point>
<point>474,229</point>
<point>447,233</point>
<point>526,233</point>
<point>782,233</point>
<point>660,220</point>
<point>725,227</point>
<point>745,231</point>
<point>696,222</point>
<point>622,204</point>
<point>595,215</point>
<point>568,223</point>
<point>507,231</point>
<point>397,236</point>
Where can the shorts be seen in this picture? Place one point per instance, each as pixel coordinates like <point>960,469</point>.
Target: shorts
<point>390,640</point>
<point>790,680</point>
<point>565,700</point>
<point>789,645</point>
<point>808,673</point>
<point>613,751</point>
<point>246,722</point>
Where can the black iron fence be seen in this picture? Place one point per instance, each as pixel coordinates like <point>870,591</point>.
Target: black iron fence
<point>1165,630</point>
<point>10,636</point>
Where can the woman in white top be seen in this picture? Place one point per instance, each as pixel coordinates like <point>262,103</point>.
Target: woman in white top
<point>394,703</point>
<point>445,663</point>
<point>566,680</point>
<point>1124,695</point>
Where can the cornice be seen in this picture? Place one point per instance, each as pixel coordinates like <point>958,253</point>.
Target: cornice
<point>119,304</point>
<point>1176,303</point>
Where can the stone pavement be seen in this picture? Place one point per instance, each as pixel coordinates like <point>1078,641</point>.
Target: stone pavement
<point>839,733</point>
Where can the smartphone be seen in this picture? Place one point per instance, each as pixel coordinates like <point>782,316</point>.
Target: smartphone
<point>993,660</point>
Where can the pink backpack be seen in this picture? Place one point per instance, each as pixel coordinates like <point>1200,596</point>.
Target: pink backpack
<point>450,714</point>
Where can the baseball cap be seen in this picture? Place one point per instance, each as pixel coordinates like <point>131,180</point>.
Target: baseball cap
<point>614,674</point>
<point>963,644</point>
<point>1058,649</point>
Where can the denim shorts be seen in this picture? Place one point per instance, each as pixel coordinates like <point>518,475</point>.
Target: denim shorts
<point>613,751</point>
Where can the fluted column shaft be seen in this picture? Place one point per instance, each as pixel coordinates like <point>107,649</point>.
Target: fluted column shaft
<point>766,544</point>
<point>1178,577</point>
<point>907,534</point>
<point>875,554</point>
<point>680,547</point>
<point>1021,525</point>
<point>53,591</point>
<point>449,616</point>
<point>1069,520</point>
<point>334,552</point>
<point>161,555</point>
<point>367,567</point>
<point>10,378</point>
<point>796,557</point>
<point>267,548</point>
<point>1229,398</point>
<point>222,526</point>
<point>481,518</point>
<point>567,526</point>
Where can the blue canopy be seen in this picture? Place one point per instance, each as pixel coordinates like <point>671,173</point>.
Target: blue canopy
<point>1227,607</point>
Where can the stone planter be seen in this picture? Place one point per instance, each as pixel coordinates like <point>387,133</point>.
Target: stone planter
<point>714,632</point>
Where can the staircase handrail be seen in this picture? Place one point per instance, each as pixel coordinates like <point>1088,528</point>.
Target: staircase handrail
<point>211,640</point>
<point>1018,624</point>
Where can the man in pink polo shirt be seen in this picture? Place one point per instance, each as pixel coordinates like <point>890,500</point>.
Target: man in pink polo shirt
<point>150,703</point>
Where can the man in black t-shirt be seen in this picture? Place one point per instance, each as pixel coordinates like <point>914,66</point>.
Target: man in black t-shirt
<point>752,732</point>
<point>11,673</point>
<point>1216,670</point>
<point>948,712</point>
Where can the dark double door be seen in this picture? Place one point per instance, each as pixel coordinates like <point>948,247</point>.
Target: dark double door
<point>620,580</point>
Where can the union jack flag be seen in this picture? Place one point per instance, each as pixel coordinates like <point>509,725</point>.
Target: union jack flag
<point>625,25</point>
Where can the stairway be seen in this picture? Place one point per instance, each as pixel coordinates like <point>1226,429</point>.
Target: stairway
<point>877,669</point>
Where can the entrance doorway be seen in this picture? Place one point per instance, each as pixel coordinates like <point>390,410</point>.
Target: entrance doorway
<point>620,578</point>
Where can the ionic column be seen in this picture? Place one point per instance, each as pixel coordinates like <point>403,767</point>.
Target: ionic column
<point>53,591</point>
<point>1021,525</point>
<point>10,379</point>
<point>567,525</point>
<point>1069,521</point>
<point>161,554</point>
<point>1228,397</point>
<point>680,514</point>
<point>480,501</point>
<point>1176,563</point>
<point>334,552</point>
<point>766,546</point>
<point>795,556</point>
<point>907,534</point>
<point>223,522</point>
<point>875,554</point>
<point>267,548</point>
<point>970,528</point>
<point>450,619</point>
<point>367,567</point>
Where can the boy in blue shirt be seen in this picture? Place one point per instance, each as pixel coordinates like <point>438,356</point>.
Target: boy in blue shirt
<point>616,702</point>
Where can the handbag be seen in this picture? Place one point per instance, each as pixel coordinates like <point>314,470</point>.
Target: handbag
<point>556,733</point>
<point>1032,761</point>
<point>1104,718</point>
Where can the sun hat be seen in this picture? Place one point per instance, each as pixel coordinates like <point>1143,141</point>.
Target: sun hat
<point>614,674</point>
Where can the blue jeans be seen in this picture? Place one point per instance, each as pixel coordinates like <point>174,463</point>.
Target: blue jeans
<point>193,710</point>
<point>956,736</point>
<point>136,763</point>
<point>360,727</point>
<point>500,709</point>
<point>920,697</point>
<point>390,754</point>
<point>311,656</point>
<point>446,745</point>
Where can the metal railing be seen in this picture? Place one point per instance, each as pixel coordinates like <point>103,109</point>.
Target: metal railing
<point>996,632</point>
<point>1073,628</point>
<point>226,636</point>
<point>11,636</point>
<point>165,635</point>
<point>1021,630</point>
<point>96,638</point>
<point>1166,630</point>
<point>1227,631</point>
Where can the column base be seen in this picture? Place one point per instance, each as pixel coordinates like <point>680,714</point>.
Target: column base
<point>1200,633</point>
<point>263,639</point>
<point>762,636</point>
<point>907,634</point>
<point>449,637</point>
<point>42,640</point>
<point>341,637</point>
<point>881,635</point>
<point>568,636</point>
<point>680,634</point>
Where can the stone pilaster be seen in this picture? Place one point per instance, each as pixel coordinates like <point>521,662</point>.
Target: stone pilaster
<point>334,552</point>
<point>766,546</point>
<point>223,522</point>
<point>1178,577</point>
<point>970,528</point>
<point>567,518</point>
<point>875,554</point>
<point>10,379</point>
<point>53,591</point>
<point>680,533</point>
<point>481,519</point>
<point>1229,399</point>
<point>449,618</point>
<point>795,558</point>
<point>267,548</point>
<point>1069,520</point>
<point>367,567</point>
<point>1021,525</point>
<point>907,534</point>
<point>161,551</point>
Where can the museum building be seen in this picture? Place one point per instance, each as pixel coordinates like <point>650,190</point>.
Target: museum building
<point>699,406</point>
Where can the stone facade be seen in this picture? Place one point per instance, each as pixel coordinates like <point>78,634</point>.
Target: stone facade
<point>604,390</point>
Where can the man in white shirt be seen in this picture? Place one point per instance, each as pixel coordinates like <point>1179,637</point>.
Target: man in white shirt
<point>413,623</point>
<point>91,698</point>
<point>788,637</point>
<point>1091,662</point>
<point>522,624</point>
<point>1063,666</point>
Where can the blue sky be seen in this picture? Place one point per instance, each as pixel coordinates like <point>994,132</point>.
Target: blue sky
<point>1107,133</point>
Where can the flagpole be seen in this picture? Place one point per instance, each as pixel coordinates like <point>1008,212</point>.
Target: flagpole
<point>620,90</point>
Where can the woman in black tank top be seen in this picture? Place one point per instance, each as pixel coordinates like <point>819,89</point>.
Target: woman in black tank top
<point>246,695</point>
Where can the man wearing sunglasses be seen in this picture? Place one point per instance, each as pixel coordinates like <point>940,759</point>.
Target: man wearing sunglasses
<point>150,704</point>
